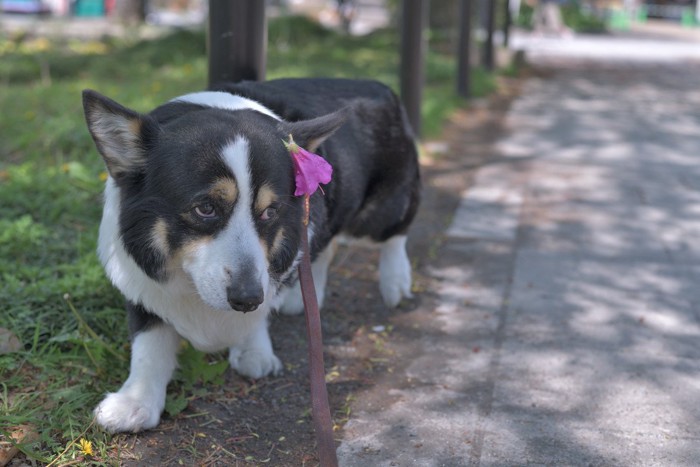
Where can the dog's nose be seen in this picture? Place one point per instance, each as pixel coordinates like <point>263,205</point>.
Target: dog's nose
<point>244,297</point>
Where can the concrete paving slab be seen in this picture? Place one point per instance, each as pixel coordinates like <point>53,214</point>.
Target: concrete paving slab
<point>598,357</point>
<point>601,48</point>
<point>490,208</point>
<point>571,267</point>
<point>409,433</point>
<point>574,446</point>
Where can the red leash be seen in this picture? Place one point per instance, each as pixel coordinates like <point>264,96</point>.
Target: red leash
<point>311,170</point>
<point>320,408</point>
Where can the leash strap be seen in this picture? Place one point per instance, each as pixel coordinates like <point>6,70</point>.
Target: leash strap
<point>320,408</point>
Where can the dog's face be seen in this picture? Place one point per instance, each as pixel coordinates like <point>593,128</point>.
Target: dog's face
<point>206,191</point>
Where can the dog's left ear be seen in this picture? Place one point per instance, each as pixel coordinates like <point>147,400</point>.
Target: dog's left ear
<point>309,134</point>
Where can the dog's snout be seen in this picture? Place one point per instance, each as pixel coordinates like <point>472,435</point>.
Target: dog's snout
<point>245,297</point>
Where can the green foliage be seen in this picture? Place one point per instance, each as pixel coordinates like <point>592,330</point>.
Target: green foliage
<point>296,30</point>
<point>195,369</point>
<point>53,292</point>
<point>525,16</point>
<point>573,14</point>
<point>27,59</point>
<point>581,20</point>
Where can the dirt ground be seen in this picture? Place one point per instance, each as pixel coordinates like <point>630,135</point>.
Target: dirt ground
<point>268,421</point>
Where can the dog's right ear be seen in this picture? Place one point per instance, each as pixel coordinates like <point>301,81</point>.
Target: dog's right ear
<point>119,133</point>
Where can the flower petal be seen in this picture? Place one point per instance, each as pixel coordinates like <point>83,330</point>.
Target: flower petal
<point>310,169</point>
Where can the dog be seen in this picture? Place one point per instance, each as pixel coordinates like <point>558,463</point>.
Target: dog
<point>201,229</point>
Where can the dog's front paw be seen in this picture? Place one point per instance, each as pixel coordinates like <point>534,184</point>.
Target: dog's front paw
<point>255,363</point>
<point>120,412</point>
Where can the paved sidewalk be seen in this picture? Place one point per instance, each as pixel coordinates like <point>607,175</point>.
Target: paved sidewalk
<point>567,320</point>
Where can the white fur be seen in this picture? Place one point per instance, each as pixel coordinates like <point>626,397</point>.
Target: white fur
<point>237,247</point>
<point>224,100</point>
<point>291,300</point>
<point>139,402</point>
<point>254,357</point>
<point>394,271</point>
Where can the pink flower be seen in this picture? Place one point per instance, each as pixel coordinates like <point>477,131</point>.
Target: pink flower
<point>310,169</point>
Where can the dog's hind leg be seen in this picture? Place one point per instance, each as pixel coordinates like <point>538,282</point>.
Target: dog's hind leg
<point>394,271</point>
<point>138,404</point>
<point>292,302</point>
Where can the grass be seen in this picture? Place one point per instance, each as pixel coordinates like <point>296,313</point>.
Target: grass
<point>53,293</point>
<point>573,15</point>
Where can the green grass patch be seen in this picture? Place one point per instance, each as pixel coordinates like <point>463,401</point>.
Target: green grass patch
<point>574,15</point>
<point>53,292</point>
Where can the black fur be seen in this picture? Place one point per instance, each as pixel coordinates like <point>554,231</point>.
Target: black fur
<point>375,189</point>
<point>140,319</point>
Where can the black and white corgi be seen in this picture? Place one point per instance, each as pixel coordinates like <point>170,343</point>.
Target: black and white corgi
<point>201,228</point>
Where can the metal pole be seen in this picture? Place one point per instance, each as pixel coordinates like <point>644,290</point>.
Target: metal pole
<point>488,59</point>
<point>508,16</point>
<point>464,84</point>
<point>237,40</point>
<point>413,21</point>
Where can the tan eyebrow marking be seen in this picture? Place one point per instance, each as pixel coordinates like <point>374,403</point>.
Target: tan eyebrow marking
<point>224,189</point>
<point>159,236</point>
<point>277,242</point>
<point>265,198</point>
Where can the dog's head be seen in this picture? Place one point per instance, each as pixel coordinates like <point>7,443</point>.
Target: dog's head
<point>206,189</point>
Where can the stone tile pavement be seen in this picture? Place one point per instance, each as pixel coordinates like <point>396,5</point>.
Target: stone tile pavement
<point>567,323</point>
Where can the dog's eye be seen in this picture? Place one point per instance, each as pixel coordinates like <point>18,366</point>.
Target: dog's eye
<point>205,211</point>
<point>268,213</point>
